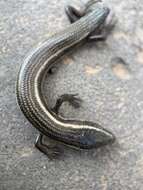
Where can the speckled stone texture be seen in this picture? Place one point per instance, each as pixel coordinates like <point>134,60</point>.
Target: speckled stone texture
<point>109,78</point>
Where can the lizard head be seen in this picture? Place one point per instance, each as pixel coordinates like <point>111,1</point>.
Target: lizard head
<point>95,136</point>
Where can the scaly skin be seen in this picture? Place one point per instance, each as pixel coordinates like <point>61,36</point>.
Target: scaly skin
<point>82,134</point>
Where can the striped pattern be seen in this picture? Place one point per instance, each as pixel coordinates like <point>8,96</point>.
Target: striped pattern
<point>31,76</point>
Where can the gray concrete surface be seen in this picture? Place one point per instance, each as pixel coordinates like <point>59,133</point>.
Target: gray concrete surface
<point>111,89</point>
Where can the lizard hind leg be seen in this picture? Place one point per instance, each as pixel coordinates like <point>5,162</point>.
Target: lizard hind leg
<point>105,29</point>
<point>78,10</point>
<point>74,13</point>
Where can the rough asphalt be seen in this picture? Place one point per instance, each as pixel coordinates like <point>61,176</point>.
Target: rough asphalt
<point>108,77</point>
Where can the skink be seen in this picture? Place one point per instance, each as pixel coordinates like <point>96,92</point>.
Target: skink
<point>30,96</point>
